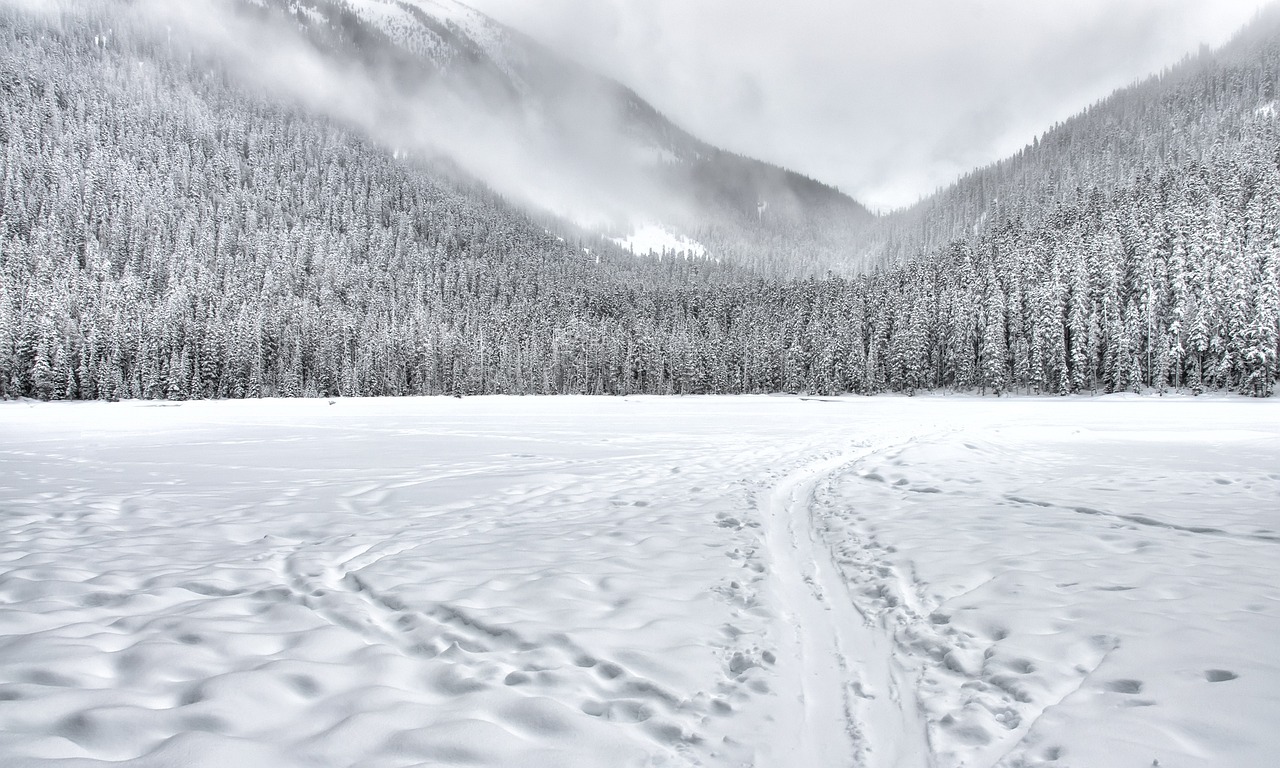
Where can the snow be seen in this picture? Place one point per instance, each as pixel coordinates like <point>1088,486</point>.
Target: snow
<point>392,18</point>
<point>379,13</point>
<point>1266,110</point>
<point>653,239</point>
<point>474,23</point>
<point>768,581</point>
<point>482,30</point>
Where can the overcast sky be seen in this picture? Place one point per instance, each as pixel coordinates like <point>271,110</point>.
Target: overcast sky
<point>887,99</point>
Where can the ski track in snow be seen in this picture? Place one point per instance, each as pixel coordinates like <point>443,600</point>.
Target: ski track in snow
<point>856,709</point>
<point>767,582</point>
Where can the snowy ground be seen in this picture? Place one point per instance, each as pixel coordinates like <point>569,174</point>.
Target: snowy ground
<point>768,581</point>
<point>652,239</point>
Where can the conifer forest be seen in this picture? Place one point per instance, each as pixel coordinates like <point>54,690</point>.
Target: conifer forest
<point>167,231</point>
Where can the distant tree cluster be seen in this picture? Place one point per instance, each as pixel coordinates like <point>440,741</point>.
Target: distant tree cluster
<point>167,233</point>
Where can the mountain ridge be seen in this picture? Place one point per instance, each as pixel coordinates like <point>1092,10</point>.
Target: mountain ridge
<point>613,145</point>
<point>1151,123</point>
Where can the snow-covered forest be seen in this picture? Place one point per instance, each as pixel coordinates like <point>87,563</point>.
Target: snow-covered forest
<point>167,231</point>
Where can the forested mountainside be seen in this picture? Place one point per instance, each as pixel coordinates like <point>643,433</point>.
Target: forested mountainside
<point>1201,108</point>
<point>169,230</point>
<point>571,141</point>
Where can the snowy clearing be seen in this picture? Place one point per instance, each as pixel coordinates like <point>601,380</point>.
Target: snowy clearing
<point>653,240</point>
<point>763,581</point>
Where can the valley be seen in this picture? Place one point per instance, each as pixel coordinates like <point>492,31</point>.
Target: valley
<point>382,386</point>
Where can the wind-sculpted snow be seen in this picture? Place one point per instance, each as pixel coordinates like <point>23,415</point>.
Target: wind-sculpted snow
<point>767,581</point>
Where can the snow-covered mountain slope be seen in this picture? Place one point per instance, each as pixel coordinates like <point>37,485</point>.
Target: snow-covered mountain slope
<point>570,141</point>
<point>448,33</point>
<point>1205,111</point>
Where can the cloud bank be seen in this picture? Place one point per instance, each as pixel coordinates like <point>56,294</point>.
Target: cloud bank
<point>888,100</point>
<point>464,119</point>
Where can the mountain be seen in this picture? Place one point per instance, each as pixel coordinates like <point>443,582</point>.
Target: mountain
<point>446,81</point>
<point>1200,107</point>
<point>284,201</point>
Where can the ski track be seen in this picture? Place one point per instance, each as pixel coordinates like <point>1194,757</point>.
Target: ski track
<point>859,708</point>
<point>984,711</point>
<point>659,598</point>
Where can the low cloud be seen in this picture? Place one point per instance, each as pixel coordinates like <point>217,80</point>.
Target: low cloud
<point>888,100</point>
<point>497,140</point>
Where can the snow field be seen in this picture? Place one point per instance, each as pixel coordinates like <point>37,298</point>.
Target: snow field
<point>767,581</point>
<point>652,239</point>
<point>1090,593</point>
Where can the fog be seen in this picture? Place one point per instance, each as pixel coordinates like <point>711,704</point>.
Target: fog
<point>888,100</point>
<point>466,118</point>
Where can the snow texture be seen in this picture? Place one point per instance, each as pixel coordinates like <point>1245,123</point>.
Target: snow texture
<point>767,581</point>
<point>652,239</point>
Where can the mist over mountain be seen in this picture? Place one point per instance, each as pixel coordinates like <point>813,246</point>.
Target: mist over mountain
<point>244,198</point>
<point>435,80</point>
<point>1191,114</point>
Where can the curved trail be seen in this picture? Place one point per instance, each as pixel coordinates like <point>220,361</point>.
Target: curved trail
<point>857,705</point>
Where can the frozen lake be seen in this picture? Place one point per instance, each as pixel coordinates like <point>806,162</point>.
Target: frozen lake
<point>750,581</point>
